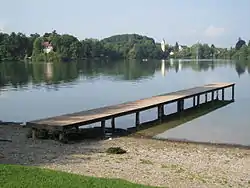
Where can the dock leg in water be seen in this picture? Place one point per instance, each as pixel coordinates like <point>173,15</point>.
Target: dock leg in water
<point>178,106</point>
<point>198,100</point>
<point>103,127</point>
<point>212,97</point>
<point>181,105</point>
<point>217,95</point>
<point>113,124</point>
<point>160,112</point>
<point>137,119</point>
<point>233,93</point>
<point>223,94</point>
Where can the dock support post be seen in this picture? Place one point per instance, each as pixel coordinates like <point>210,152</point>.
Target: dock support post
<point>137,119</point>
<point>182,104</point>
<point>113,124</point>
<point>217,94</point>
<point>34,133</point>
<point>232,92</point>
<point>223,94</point>
<point>205,97</point>
<point>178,106</point>
<point>212,97</point>
<point>198,100</point>
<point>103,127</point>
<point>194,101</point>
<point>160,112</point>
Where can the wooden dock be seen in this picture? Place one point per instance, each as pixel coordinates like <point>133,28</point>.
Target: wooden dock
<point>66,122</point>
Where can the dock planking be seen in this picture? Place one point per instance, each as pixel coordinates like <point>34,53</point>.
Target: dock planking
<point>72,120</point>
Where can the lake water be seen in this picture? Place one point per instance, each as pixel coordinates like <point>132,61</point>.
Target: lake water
<point>33,91</point>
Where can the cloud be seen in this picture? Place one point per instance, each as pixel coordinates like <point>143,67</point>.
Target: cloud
<point>213,31</point>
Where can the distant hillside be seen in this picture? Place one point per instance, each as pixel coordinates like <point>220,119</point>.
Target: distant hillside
<point>132,46</point>
<point>123,38</point>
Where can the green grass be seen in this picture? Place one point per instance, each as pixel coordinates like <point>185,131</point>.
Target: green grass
<point>12,176</point>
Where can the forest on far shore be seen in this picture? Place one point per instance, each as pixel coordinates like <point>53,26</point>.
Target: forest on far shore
<point>64,47</point>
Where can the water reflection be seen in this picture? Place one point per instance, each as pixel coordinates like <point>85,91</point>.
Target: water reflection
<point>20,74</point>
<point>163,69</point>
<point>241,67</point>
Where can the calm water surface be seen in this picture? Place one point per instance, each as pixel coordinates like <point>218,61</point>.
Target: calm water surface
<point>33,91</point>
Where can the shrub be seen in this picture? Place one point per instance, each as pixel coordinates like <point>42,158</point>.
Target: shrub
<point>116,150</point>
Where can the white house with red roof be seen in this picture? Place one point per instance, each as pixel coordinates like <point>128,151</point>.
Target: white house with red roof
<point>47,47</point>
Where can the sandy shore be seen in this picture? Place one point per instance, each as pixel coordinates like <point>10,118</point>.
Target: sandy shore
<point>149,162</point>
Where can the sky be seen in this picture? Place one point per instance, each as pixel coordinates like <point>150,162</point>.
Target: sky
<point>219,22</point>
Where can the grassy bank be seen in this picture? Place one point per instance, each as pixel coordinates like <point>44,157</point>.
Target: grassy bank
<point>12,176</point>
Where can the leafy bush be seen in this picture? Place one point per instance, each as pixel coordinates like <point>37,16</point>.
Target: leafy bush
<point>116,150</point>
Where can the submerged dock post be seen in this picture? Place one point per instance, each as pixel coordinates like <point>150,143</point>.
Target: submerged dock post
<point>212,97</point>
<point>103,127</point>
<point>178,106</point>
<point>182,104</point>
<point>223,94</point>
<point>217,94</point>
<point>113,124</point>
<point>160,112</point>
<point>232,92</point>
<point>137,118</point>
<point>198,100</point>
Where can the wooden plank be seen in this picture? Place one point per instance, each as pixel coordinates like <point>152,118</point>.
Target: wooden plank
<point>100,114</point>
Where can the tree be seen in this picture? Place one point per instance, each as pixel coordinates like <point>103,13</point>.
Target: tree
<point>213,50</point>
<point>243,53</point>
<point>239,44</point>
<point>176,47</point>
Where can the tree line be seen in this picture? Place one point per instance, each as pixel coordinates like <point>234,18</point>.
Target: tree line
<point>56,47</point>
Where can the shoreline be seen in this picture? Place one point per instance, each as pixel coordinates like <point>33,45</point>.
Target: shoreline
<point>138,136</point>
<point>151,161</point>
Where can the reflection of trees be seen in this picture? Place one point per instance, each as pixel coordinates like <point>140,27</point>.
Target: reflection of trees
<point>203,65</point>
<point>125,70</point>
<point>18,74</point>
<point>14,73</point>
<point>176,67</point>
<point>240,68</point>
<point>198,66</point>
<point>206,65</point>
<point>64,72</point>
<point>37,72</point>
